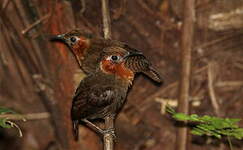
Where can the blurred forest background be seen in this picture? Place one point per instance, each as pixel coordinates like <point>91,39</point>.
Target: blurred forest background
<point>37,75</point>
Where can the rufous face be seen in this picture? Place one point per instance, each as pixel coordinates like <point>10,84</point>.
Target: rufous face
<point>78,45</point>
<point>114,64</point>
<point>77,41</point>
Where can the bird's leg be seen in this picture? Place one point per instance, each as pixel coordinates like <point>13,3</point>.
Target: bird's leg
<point>93,126</point>
<point>98,129</point>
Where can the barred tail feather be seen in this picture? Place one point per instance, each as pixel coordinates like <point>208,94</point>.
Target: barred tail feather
<point>154,75</point>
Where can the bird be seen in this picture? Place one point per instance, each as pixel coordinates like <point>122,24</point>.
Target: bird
<point>102,93</point>
<point>87,49</point>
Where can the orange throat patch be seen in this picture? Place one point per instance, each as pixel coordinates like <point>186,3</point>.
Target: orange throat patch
<point>117,69</point>
<point>80,48</point>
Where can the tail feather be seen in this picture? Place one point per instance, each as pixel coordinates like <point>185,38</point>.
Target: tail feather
<point>139,63</point>
<point>153,74</point>
<point>75,129</point>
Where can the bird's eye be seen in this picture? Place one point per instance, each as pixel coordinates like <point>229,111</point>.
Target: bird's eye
<point>114,58</point>
<point>73,39</point>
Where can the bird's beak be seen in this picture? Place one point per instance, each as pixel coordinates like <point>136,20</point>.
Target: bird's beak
<point>130,54</point>
<point>60,37</point>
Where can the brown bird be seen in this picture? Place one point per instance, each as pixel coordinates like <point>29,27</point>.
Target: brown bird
<point>103,92</point>
<point>87,49</point>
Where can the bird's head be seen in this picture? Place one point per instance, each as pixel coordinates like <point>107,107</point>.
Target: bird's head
<point>77,40</point>
<point>113,62</point>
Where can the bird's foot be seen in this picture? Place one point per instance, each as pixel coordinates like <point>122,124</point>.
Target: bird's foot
<point>101,132</point>
<point>110,131</point>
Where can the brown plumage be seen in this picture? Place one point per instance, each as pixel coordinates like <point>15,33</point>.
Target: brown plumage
<point>103,92</point>
<point>87,49</point>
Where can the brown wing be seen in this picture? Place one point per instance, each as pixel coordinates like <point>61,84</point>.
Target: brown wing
<point>88,103</point>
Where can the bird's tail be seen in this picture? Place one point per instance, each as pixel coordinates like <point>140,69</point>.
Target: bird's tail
<point>153,74</point>
<point>75,129</point>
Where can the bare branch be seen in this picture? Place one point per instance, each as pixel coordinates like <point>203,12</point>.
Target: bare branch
<point>25,31</point>
<point>106,19</point>
<point>186,47</point>
<point>211,89</point>
<point>32,116</point>
<point>108,137</point>
<point>5,5</point>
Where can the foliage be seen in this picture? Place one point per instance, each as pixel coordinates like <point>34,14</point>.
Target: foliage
<point>209,125</point>
<point>5,122</point>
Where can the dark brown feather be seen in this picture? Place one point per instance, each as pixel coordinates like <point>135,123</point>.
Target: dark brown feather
<point>97,96</point>
<point>139,63</point>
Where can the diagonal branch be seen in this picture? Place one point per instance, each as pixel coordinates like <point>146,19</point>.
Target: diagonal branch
<point>25,31</point>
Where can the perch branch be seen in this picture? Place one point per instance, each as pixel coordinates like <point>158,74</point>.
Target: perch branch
<point>186,47</point>
<point>109,120</point>
<point>108,137</point>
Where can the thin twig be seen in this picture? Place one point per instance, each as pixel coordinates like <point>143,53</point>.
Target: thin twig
<point>186,47</point>
<point>5,5</point>
<point>238,65</point>
<point>106,19</point>
<point>211,89</point>
<point>147,102</point>
<point>25,31</point>
<point>229,84</point>
<point>120,11</point>
<point>83,6</point>
<point>215,104</point>
<point>32,116</point>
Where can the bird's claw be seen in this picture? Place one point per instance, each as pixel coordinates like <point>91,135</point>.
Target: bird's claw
<point>110,131</point>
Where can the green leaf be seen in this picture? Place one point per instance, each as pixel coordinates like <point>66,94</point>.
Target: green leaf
<point>210,125</point>
<point>4,124</point>
<point>197,131</point>
<point>6,111</point>
<point>181,117</point>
